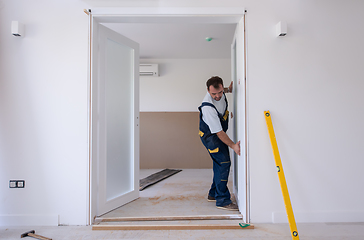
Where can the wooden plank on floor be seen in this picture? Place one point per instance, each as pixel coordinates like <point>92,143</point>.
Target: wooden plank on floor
<point>156,177</point>
<point>170,227</point>
<point>171,218</point>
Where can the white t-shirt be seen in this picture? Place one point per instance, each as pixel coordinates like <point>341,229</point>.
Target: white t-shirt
<point>209,114</point>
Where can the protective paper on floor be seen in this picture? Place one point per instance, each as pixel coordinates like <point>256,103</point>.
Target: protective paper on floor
<point>156,177</point>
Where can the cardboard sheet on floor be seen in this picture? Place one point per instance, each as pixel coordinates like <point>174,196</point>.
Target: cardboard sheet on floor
<point>156,177</point>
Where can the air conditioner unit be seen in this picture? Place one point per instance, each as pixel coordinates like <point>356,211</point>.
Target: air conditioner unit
<point>148,69</point>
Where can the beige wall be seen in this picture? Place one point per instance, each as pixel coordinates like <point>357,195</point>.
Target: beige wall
<point>171,140</point>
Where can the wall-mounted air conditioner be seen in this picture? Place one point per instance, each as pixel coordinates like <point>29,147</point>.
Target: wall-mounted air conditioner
<point>148,69</point>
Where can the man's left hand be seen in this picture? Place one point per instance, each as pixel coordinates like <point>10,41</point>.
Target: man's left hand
<point>230,88</point>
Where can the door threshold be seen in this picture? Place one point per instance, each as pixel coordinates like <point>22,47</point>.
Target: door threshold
<point>175,227</point>
<point>170,218</point>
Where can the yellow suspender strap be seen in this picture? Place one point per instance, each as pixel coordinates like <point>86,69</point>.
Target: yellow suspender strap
<point>282,179</point>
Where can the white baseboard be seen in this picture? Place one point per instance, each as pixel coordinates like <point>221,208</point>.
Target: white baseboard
<point>28,220</point>
<point>307,217</point>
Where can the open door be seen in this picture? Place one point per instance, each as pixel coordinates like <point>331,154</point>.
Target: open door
<point>114,120</point>
<point>240,163</point>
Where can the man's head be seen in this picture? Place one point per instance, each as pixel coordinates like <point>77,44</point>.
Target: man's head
<point>215,87</point>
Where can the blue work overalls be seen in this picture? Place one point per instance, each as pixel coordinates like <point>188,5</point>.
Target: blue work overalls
<point>219,153</point>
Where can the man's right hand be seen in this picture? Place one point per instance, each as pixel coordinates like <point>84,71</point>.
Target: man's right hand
<point>225,139</point>
<point>236,148</point>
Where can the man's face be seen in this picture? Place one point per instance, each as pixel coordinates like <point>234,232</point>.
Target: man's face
<point>216,93</point>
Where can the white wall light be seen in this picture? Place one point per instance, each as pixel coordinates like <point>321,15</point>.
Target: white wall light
<point>281,29</point>
<point>17,29</point>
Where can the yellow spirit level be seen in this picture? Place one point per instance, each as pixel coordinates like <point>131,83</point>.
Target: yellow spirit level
<point>282,179</point>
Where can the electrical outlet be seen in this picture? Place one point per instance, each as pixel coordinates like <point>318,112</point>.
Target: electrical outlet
<point>12,184</point>
<point>16,184</point>
<point>20,184</point>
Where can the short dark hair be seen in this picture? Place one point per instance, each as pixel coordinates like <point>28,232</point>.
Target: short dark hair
<point>215,81</point>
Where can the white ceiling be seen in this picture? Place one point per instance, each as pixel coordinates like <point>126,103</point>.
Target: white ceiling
<point>179,40</point>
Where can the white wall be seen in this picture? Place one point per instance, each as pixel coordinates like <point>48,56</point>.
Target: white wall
<point>310,80</point>
<point>43,113</point>
<point>181,85</point>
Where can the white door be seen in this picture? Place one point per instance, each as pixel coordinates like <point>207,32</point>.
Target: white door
<point>240,163</point>
<point>115,120</point>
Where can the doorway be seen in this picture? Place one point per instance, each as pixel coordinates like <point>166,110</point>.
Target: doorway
<point>236,189</point>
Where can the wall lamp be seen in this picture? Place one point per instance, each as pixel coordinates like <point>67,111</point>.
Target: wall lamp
<point>17,29</point>
<point>281,29</point>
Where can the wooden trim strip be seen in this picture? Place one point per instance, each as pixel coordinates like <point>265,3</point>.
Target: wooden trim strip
<point>89,136</point>
<point>169,227</point>
<point>170,218</point>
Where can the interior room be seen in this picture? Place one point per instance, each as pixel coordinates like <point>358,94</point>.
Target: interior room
<point>169,117</point>
<point>310,80</point>
<point>169,101</point>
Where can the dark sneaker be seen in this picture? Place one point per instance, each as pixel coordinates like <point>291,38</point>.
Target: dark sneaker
<point>230,207</point>
<point>211,199</point>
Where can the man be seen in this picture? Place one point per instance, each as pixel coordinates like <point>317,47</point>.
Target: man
<point>214,119</point>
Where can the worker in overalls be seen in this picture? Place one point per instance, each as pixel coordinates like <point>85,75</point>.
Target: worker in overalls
<point>214,120</point>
